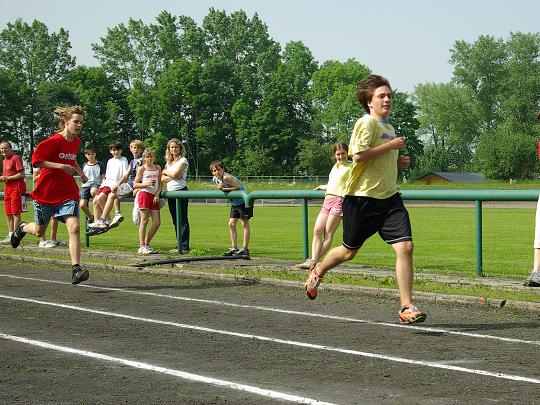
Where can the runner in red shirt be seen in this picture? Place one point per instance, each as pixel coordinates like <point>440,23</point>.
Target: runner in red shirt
<point>15,189</point>
<point>56,192</point>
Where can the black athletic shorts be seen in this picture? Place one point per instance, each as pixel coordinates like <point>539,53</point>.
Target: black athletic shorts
<point>363,216</point>
<point>241,211</point>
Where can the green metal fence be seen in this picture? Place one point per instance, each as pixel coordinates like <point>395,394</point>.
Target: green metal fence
<point>476,196</point>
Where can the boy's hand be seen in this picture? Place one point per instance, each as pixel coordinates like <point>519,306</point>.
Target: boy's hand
<point>397,143</point>
<point>84,179</point>
<point>403,162</point>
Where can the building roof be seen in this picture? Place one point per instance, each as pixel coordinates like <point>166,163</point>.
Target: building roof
<point>458,177</point>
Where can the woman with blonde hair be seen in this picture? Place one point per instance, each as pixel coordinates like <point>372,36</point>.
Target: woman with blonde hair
<point>175,176</point>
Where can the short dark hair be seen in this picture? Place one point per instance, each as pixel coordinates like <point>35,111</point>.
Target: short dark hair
<point>217,164</point>
<point>90,149</point>
<point>366,88</point>
<point>115,145</point>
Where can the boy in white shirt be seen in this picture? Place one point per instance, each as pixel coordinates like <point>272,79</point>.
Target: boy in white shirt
<point>106,194</point>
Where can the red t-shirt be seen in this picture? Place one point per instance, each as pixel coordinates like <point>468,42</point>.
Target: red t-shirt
<point>10,167</point>
<point>55,186</point>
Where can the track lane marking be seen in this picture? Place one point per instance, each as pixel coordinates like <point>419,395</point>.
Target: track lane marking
<point>176,373</point>
<point>283,341</point>
<point>415,328</point>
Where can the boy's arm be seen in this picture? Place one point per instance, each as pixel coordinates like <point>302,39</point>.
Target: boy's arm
<point>233,183</point>
<point>18,176</point>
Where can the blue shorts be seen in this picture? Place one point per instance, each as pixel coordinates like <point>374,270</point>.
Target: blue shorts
<point>43,213</point>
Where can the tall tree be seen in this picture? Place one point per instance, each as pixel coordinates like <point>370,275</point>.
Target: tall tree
<point>32,56</point>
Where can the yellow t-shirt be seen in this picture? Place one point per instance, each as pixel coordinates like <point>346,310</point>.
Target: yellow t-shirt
<point>337,179</point>
<point>376,178</point>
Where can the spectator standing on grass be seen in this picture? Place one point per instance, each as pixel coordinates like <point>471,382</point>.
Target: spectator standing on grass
<point>106,195</point>
<point>329,217</point>
<point>15,187</point>
<point>56,192</point>
<point>175,176</point>
<point>227,182</point>
<point>43,241</point>
<point>148,184</point>
<point>534,277</point>
<point>372,202</point>
<point>95,172</point>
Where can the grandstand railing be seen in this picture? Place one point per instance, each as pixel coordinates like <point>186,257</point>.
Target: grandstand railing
<point>477,196</point>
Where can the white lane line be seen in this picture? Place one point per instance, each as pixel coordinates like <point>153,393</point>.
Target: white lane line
<point>282,341</point>
<point>176,373</point>
<point>415,329</point>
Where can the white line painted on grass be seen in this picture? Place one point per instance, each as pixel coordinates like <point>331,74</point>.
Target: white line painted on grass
<point>415,329</point>
<point>282,341</point>
<point>176,373</point>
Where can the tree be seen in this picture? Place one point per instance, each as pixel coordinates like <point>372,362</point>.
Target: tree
<point>334,98</point>
<point>30,56</point>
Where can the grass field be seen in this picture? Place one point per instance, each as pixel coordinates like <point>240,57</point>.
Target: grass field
<point>444,237</point>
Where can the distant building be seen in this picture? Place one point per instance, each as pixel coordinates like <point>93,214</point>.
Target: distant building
<point>451,177</point>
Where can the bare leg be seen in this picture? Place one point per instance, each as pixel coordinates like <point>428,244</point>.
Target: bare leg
<point>334,258</point>
<point>156,222</point>
<point>331,226</point>
<point>318,233</point>
<point>247,233</point>
<point>233,233</point>
<point>404,270</point>
<point>145,216</point>
<point>73,228</point>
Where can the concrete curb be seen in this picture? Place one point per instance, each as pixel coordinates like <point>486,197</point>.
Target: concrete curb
<point>371,291</point>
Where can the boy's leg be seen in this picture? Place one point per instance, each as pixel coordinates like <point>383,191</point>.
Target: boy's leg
<point>247,233</point>
<point>404,270</point>
<point>233,233</point>
<point>108,205</point>
<point>10,223</point>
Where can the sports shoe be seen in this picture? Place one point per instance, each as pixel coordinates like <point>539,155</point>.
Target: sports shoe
<point>17,236</point>
<point>6,240</point>
<point>59,243</point>
<point>312,283</point>
<point>231,252</point>
<point>99,224</point>
<point>306,265</point>
<point>78,274</point>
<point>533,280</point>
<point>46,244</point>
<point>151,250</point>
<point>143,250</point>
<point>242,252</point>
<point>118,217</point>
<point>410,314</point>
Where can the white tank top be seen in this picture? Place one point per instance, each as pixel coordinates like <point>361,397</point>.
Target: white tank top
<point>150,175</point>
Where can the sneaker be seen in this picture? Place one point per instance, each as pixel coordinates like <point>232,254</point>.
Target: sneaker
<point>151,250</point>
<point>79,275</point>
<point>59,243</point>
<point>173,251</point>
<point>242,252</point>
<point>46,244</point>
<point>17,236</point>
<point>410,314</point>
<point>89,219</point>
<point>306,265</point>
<point>533,280</point>
<point>143,250</point>
<point>6,240</point>
<point>231,252</point>
<point>312,283</point>
<point>99,224</point>
<point>118,217</point>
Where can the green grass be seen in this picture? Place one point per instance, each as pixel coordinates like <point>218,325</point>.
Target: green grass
<point>444,237</point>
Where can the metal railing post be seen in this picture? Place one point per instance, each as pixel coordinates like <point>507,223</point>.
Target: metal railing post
<point>479,238</point>
<point>305,235</point>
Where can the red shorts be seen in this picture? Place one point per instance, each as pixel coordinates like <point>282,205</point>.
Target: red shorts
<point>104,190</point>
<point>146,201</point>
<point>332,206</point>
<point>12,200</point>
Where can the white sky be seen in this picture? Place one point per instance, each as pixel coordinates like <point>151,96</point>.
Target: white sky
<point>406,41</point>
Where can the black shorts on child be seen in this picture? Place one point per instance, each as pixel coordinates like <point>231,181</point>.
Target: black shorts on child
<point>241,211</point>
<point>364,216</point>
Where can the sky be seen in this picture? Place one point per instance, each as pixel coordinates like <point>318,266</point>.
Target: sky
<point>409,42</point>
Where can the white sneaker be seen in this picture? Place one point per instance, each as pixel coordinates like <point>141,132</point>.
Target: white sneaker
<point>6,241</point>
<point>143,250</point>
<point>46,244</point>
<point>151,249</point>
<point>118,217</point>
<point>59,243</point>
<point>98,223</point>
